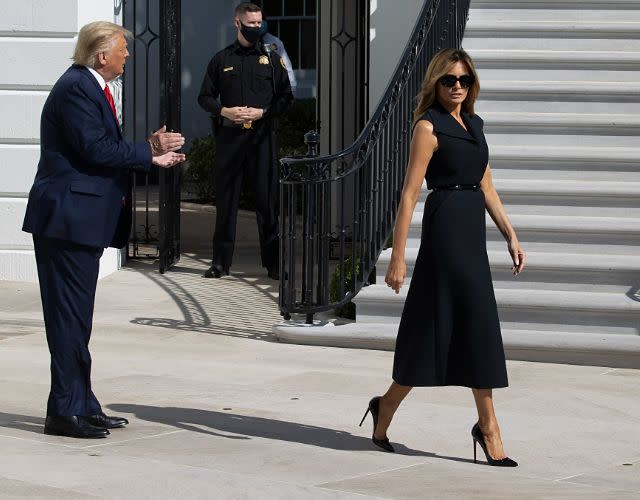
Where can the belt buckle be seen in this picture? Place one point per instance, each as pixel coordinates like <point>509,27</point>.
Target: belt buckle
<point>247,125</point>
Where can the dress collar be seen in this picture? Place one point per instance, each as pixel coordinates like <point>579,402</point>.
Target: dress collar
<point>448,125</point>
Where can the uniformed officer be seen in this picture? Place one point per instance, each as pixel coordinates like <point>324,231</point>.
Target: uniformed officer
<point>254,89</point>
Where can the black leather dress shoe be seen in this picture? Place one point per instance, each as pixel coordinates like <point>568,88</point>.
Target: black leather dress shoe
<point>216,271</point>
<point>75,427</point>
<point>102,420</point>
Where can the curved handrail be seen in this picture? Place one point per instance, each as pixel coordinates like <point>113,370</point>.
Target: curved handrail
<point>406,62</point>
<point>344,204</point>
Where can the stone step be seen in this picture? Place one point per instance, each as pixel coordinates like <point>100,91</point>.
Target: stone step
<point>587,143</point>
<point>547,59</point>
<point>575,90</point>
<point>566,175</point>
<point>538,304</point>
<point>559,75</point>
<point>562,224</point>
<point>525,155</point>
<point>545,7</point>
<point>501,122</point>
<point>617,265</point>
<point>498,41</point>
<point>545,191</point>
<point>558,29</point>
<point>616,351</point>
<point>536,295</point>
<point>620,112</point>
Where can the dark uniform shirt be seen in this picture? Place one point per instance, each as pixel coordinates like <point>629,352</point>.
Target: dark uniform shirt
<point>243,76</point>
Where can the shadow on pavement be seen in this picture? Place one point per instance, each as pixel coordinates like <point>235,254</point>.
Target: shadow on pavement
<point>22,422</point>
<point>238,306</point>
<point>217,423</point>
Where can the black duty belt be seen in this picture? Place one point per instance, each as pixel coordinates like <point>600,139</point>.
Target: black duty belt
<point>229,123</point>
<point>457,187</point>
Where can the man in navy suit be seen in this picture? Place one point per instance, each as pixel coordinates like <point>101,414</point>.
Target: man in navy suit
<point>77,207</point>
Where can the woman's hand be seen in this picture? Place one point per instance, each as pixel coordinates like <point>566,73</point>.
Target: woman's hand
<point>396,273</point>
<point>517,256</point>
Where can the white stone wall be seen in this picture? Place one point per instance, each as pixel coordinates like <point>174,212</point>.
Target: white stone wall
<point>37,38</point>
<point>391,24</point>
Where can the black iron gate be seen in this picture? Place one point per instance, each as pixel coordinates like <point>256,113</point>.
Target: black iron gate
<point>152,97</point>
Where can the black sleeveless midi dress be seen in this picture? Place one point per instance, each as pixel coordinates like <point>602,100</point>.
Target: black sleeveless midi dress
<point>449,332</point>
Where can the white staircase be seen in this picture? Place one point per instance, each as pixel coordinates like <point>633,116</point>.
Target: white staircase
<point>561,103</point>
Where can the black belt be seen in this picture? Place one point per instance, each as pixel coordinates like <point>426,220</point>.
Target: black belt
<point>229,123</point>
<point>457,187</point>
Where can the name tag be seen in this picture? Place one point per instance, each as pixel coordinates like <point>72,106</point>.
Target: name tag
<point>227,69</point>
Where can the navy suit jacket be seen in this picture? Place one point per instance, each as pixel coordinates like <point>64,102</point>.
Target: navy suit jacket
<point>84,169</point>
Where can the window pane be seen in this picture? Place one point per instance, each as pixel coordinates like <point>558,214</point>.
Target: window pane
<point>289,37</point>
<point>293,7</point>
<point>311,8</point>
<point>272,8</point>
<point>308,47</point>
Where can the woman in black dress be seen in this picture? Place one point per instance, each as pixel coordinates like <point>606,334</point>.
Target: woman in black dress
<point>449,333</point>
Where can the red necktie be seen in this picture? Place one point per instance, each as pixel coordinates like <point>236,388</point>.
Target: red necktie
<point>109,96</point>
<point>112,105</point>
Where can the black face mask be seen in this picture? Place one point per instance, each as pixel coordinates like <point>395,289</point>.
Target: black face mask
<point>251,35</point>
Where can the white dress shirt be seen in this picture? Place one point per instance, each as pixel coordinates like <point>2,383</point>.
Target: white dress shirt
<point>98,77</point>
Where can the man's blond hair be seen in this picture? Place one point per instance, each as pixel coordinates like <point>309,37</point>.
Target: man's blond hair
<point>94,38</point>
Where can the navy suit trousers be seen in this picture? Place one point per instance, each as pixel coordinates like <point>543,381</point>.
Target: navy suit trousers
<point>68,274</point>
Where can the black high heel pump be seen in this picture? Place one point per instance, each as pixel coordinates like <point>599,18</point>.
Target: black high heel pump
<point>478,437</point>
<point>374,407</point>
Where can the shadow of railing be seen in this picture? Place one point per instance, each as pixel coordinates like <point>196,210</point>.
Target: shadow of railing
<point>241,306</point>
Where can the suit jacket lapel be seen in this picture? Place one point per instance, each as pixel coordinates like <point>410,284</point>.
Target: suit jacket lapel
<point>101,97</point>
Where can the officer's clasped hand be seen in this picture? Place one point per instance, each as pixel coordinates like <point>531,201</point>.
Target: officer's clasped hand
<point>242,114</point>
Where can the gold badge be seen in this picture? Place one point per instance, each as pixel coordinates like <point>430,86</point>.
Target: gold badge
<point>263,60</point>
<point>227,69</point>
<point>247,125</point>
<point>283,64</point>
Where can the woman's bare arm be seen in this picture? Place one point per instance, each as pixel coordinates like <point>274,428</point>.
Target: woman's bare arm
<point>499,215</point>
<point>423,144</point>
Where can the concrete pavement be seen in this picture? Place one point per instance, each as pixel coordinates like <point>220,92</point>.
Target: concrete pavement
<point>218,409</point>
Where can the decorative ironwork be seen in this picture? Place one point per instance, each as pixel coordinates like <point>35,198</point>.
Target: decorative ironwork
<point>364,181</point>
<point>140,91</point>
<point>155,196</point>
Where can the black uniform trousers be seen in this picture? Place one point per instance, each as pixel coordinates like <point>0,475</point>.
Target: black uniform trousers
<point>68,274</point>
<point>249,153</point>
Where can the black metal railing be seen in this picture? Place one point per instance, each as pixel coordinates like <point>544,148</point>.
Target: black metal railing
<point>337,211</point>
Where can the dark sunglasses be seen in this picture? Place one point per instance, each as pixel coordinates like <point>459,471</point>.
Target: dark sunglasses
<point>450,81</point>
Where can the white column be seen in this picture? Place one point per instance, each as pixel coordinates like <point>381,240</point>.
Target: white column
<point>36,44</point>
